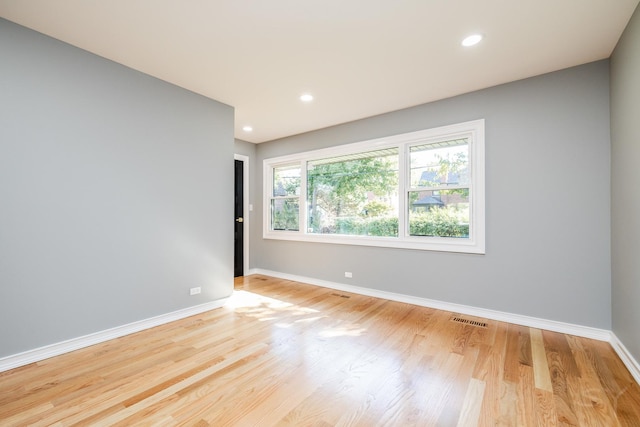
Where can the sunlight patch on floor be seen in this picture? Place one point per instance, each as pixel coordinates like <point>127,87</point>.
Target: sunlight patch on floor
<point>267,309</point>
<point>244,299</point>
<point>343,331</point>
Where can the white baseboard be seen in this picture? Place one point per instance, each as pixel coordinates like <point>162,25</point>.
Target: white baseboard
<point>551,325</point>
<point>632,364</point>
<point>41,353</point>
<point>533,322</point>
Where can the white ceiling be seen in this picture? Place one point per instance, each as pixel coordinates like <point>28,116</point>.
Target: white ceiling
<point>358,58</point>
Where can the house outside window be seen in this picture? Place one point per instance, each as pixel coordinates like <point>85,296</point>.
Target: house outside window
<point>419,190</point>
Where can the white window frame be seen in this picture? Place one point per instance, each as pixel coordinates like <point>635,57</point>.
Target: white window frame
<point>269,197</point>
<point>475,243</point>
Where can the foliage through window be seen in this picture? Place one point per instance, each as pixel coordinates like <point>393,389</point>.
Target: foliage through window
<point>439,189</point>
<point>354,194</point>
<point>285,200</point>
<point>422,190</point>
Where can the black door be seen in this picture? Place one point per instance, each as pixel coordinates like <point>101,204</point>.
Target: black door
<point>238,263</point>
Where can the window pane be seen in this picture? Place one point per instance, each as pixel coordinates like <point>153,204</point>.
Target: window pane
<point>284,214</point>
<point>286,181</point>
<point>355,194</point>
<point>440,164</point>
<point>442,213</point>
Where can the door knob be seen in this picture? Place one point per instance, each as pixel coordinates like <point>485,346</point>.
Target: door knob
<point>240,219</point>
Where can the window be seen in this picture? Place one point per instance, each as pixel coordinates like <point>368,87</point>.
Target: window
<point>438,191</point>
<point>285,198</point>
<point>354,194</point>
<point>420,190</point>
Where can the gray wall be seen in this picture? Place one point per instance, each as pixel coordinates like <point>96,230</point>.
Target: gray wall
<point>112,188</point>
<point>547,217</point>
<point>245,148</point>
<point>625,186</point>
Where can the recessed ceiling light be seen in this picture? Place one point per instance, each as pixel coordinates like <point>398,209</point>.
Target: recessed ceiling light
<point>247,128</point>
<point>472,40</point>
<point>306,97</point>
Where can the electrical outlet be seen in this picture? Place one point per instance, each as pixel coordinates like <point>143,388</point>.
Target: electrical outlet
<point>348,274</point>
<point>195,291</point>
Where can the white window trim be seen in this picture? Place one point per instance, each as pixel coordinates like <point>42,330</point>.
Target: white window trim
<point>474,244</point>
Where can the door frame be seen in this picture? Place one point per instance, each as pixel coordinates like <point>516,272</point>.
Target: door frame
<point>245,210</point>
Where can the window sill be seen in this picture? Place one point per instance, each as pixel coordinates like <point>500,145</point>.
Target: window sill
<point>436,244</point>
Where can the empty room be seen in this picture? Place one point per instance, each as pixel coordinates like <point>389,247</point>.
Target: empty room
<point>315,213</point>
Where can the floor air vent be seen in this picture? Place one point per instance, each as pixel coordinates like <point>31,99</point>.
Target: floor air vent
<point>469,322</point>
<point>341,295</point>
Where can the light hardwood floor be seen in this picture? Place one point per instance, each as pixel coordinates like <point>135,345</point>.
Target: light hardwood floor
<point>290,354</point>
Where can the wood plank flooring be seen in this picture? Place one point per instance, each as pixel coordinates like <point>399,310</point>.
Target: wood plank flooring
<point>283,353</point>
